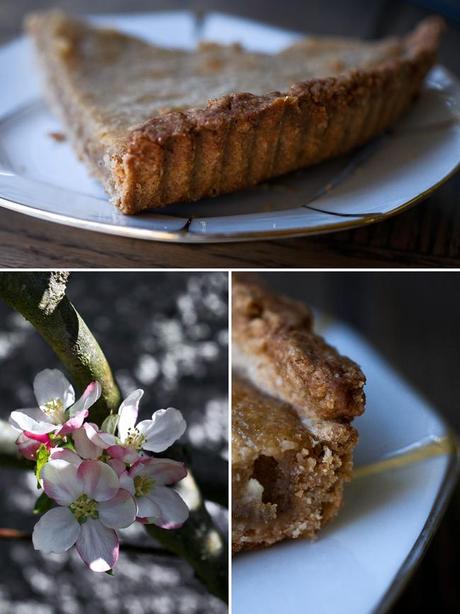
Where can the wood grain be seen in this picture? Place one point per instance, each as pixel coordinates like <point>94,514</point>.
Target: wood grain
<point>426,236</point>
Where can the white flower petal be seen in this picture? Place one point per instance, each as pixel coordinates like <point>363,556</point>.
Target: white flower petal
<point>119,512</point>
<point>21,421</point>
<point>147,508</point>
<point>87,399</point>
<point>51,384</point>
<point>98,480</point>
<point>65,454</point>
<point>128,413</point>
<point>60,481</point>
<point>84,446</point>
<point>98,546</point>
<point>162,470</point>
<point>173,510</point>
<point>99,438</point>
<point>56,531</point>
<point>127,483</point>
<point>165,427</point>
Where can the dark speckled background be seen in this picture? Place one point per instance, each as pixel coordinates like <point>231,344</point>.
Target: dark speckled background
<point>166,333</point>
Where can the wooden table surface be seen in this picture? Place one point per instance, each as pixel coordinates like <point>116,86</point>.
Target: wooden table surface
<point>427,235</point>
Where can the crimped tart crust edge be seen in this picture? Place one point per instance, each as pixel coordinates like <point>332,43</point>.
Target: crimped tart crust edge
<point>242,139</point>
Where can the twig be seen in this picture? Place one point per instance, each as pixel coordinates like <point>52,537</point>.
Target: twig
<point>15,534</point>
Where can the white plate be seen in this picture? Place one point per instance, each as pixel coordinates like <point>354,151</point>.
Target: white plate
<point>43,178</point>
<point>364,557</point>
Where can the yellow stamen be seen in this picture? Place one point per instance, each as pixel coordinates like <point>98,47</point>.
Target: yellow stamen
<point>84,508</point>
<point>134,439</point>
<point>143,484</point>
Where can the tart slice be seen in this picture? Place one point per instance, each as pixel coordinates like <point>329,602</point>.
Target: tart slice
<point>294,397</point>
<point>158,126</point>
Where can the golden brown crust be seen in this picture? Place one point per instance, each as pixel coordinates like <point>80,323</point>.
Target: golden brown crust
<point>241,139</point>
<point>275,346</point>
<point>287,475</point>
<point>318,106</point>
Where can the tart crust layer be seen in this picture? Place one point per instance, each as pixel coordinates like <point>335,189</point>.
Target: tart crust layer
<point>190,148</point>
<point>275,346</point>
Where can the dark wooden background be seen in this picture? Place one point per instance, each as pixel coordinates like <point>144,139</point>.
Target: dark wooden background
<point>413,320</point>
<point>427,235</point>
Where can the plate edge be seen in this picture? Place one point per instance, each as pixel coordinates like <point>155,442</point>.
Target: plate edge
<point>418,550</point>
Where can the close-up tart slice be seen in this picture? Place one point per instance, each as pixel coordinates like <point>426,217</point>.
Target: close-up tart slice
<point>158,126</point>
<point>293,399</point>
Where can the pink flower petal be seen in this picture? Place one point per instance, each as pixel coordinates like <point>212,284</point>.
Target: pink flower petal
<point>72,424</point>
<point>27,447</point>
<point>51,384</point>
<point>118,466</point>
<point>97,437</point>
<point>87,399</point>
<point>65,454</point>
<point>60,481</point>
<point>128,413</point>
<point>22,421</point>
<point>165,427</point>
<point>98,480</point>
<point>98,546</point>
<point>162,470</point>
<point>84,446</point>
<point>119,512</point>
<point>56,531</point>
<point>123,453</point>
<point>173,510</point>
<point>41,438</point>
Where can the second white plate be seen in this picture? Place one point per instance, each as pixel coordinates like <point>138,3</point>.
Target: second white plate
<point>364,557</point>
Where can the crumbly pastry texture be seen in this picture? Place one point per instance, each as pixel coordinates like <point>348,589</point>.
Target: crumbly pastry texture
<point>158,126</point>
<point>294,398</point>
<point>276,347</point>
<point>287,473</point>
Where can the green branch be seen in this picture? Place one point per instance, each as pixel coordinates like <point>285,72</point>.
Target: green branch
<point>40,298</point>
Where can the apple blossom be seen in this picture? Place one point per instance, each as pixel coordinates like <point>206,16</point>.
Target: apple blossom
<point>155,435</point>
<point>91,506</point>
<point>96,482</point>
<point>148,482</point>
<point>59,413</point>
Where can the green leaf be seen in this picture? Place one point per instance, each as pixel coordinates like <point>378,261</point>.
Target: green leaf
<point>110,572</point>
<point>43,504</point>
<point>42,457</point>
<point>110,424</point>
